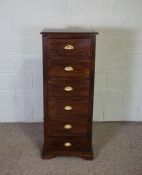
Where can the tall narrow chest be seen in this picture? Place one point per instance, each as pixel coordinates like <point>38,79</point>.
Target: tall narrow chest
<point>68,84</point>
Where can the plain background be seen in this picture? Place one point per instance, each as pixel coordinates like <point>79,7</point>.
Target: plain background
<point>118,85</point>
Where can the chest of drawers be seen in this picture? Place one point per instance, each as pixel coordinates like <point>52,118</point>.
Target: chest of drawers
<point>68,84</point>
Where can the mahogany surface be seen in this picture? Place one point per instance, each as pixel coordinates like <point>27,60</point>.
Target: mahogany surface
<point>76,140</point>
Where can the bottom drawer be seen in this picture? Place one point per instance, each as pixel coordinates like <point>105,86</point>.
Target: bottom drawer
<point>67,144</point>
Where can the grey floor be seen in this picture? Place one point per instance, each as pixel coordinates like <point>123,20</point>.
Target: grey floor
<point>117,151</point>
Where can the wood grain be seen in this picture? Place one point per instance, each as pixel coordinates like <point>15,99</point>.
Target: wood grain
<point>81,79</point>
<point>80,46</point>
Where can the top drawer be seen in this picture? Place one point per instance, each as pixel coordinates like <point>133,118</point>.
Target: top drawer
<point>69,47</point>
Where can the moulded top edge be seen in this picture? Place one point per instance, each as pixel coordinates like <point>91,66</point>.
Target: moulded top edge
<point>54,31</point>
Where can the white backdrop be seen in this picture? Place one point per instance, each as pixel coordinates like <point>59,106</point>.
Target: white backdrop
<point>118,92</point>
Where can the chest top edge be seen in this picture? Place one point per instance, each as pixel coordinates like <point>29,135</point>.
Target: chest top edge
<point>63,32</point>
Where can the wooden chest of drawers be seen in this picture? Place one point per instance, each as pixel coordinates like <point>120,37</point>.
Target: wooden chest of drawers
<point>68,76</point>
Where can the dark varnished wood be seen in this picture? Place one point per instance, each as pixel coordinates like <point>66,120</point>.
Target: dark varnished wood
<point>80,144</point>
<point>55,59</point>
<point>56,106</point>
<point>58,88</point>
<point>56,69</point>
<point>80,47</point>
<point>68,58</point>
<point>80,147</point>
<point>56,128</point>
<point>52,154</point>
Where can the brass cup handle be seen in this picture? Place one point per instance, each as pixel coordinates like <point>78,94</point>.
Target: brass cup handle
<point>68,47</point>
<point>67,126</point>
<point>67,144</point>
<point>68,88</point>
<point>68,68</point>
<point>67,108</point>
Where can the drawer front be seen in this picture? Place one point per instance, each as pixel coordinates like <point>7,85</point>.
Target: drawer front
<point>68,88</point>
<point>69,116</point>
<point>69,58</point>
<point>69,47</point>
<point>68,69</point>
<point>65,107</point>
<point>68,144</point>
<point>67,128</point>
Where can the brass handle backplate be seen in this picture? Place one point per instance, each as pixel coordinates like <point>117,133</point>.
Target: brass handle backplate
<point>68,47</point>
<point>68,88</point>
<point>67,108</point>
<point>67,144</point>
<point>68,68</point>
<point>67,126</point>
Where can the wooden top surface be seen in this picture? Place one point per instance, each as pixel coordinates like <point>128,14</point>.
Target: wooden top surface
<point>68,31</point>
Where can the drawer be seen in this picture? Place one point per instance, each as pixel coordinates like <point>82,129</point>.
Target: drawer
<point>68,144</point>
<point>68,88</point>
<point>67,106</point>
<point>77,69</point>
<point>69,47</point>
<point>67,128</point>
